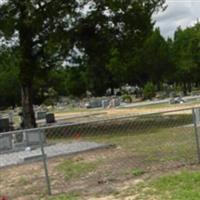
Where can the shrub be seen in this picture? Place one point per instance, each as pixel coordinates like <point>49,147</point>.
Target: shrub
<point>49,102</point>
<point>127,98</point>
<point>149,91</point>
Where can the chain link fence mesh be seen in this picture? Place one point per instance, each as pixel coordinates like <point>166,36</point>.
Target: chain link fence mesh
<point>96,156</point>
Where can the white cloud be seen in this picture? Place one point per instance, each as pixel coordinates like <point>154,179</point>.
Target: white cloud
<point>182,13</point>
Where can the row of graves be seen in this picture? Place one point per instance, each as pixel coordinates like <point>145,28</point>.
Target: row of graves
<point>20,139</point>
<point>90,102</point>
<point>102,102</point>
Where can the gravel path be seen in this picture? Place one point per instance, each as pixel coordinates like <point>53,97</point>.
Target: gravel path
<point>59,149</point>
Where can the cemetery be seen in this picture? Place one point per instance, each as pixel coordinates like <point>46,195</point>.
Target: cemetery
<point>99,100</point>
<point>106,135</point>
<point>141,148</point>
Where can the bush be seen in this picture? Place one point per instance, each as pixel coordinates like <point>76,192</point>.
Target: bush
<point>149,91</point>
<point>49,102</point>
<point>127,98</point>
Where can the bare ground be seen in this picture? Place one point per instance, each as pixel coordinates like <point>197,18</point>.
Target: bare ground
<point>112,176</point>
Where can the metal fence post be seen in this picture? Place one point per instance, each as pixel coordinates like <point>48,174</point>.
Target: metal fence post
<point>45,163</point>
<point>196,133</point>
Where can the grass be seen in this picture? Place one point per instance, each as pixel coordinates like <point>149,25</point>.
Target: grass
<point>143,145</point>
<point>23,180</point>
<point>137,172</point>
<point>180,186</point>
<point>70,196</point>
<point>156,138</point>
<point>76,169</point>
<point>153,106</point>
<point>167,105</point>
<point>75,110</point>
<point>183,186</point>
<point>158,145</point>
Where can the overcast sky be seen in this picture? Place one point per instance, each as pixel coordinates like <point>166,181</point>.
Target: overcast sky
<point>179,13</point>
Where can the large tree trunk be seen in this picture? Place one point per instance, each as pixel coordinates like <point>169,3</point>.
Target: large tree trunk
<point>27,65</point>
<point>28,115</point>
<point>189,87</point>
<point>185,89</point>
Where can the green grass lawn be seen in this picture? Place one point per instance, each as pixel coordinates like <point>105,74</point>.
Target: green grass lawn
<point>71,196</point>
<point>156,145</point>
<point>75,169</point>
<point>183,185</point>
<point>152,145</point>
<point>156,138</point>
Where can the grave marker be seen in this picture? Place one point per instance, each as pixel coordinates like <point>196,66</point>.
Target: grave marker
<point>40,115</point>
<point>5,142</point>
<point>33,137</point>
<point>4,125</point>
<point>50,118</point>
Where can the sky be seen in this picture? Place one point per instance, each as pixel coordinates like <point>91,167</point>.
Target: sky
<point>182,13</point>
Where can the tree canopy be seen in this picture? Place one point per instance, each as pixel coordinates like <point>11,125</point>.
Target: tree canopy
<point>86,44</point>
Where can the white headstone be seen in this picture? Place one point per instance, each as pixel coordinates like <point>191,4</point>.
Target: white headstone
<point>10,117</point>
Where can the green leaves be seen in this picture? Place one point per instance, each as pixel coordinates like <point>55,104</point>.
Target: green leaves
<point>8,19</point>
<point>186,53</point>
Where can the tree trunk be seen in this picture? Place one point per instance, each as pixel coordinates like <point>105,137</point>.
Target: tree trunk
<point>27,64</point>
<point>190,87</point>
<point>28,116</point>
<point>158,86</point>
<point>184,89</point>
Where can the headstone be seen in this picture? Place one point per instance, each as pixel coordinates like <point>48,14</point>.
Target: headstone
<point>96,103</point>
<point>4,125</point>
<point>40,115</point>
<point>180,100</point>
<point>105,103</point>
<point>172,101</point>
<point>10,117</point>
<point>18,137</point>
<point>108,91</point>
<point>114,103</point>
<point>50,118</point>
<point>88,93</point>
<point>33,137</point>
<point>5,142</point>
<point>117,92</point>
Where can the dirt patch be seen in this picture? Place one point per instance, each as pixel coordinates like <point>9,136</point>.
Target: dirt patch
<point>112,176</point>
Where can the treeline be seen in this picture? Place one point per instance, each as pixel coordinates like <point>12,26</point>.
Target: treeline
<point>108,51</point>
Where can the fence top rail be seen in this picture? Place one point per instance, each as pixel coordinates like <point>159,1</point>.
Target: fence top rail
<point>100,120</point>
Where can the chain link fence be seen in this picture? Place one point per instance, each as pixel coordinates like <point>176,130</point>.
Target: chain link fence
<point>97,156</point>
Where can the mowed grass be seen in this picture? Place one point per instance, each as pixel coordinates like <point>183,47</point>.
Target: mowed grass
<point>143,144</point>
<point>75,169</point>
<point>152,142</point>
<point>157,145</point>
<point>182,185</point>
<point>154,138</point>
<point>70,196</point>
